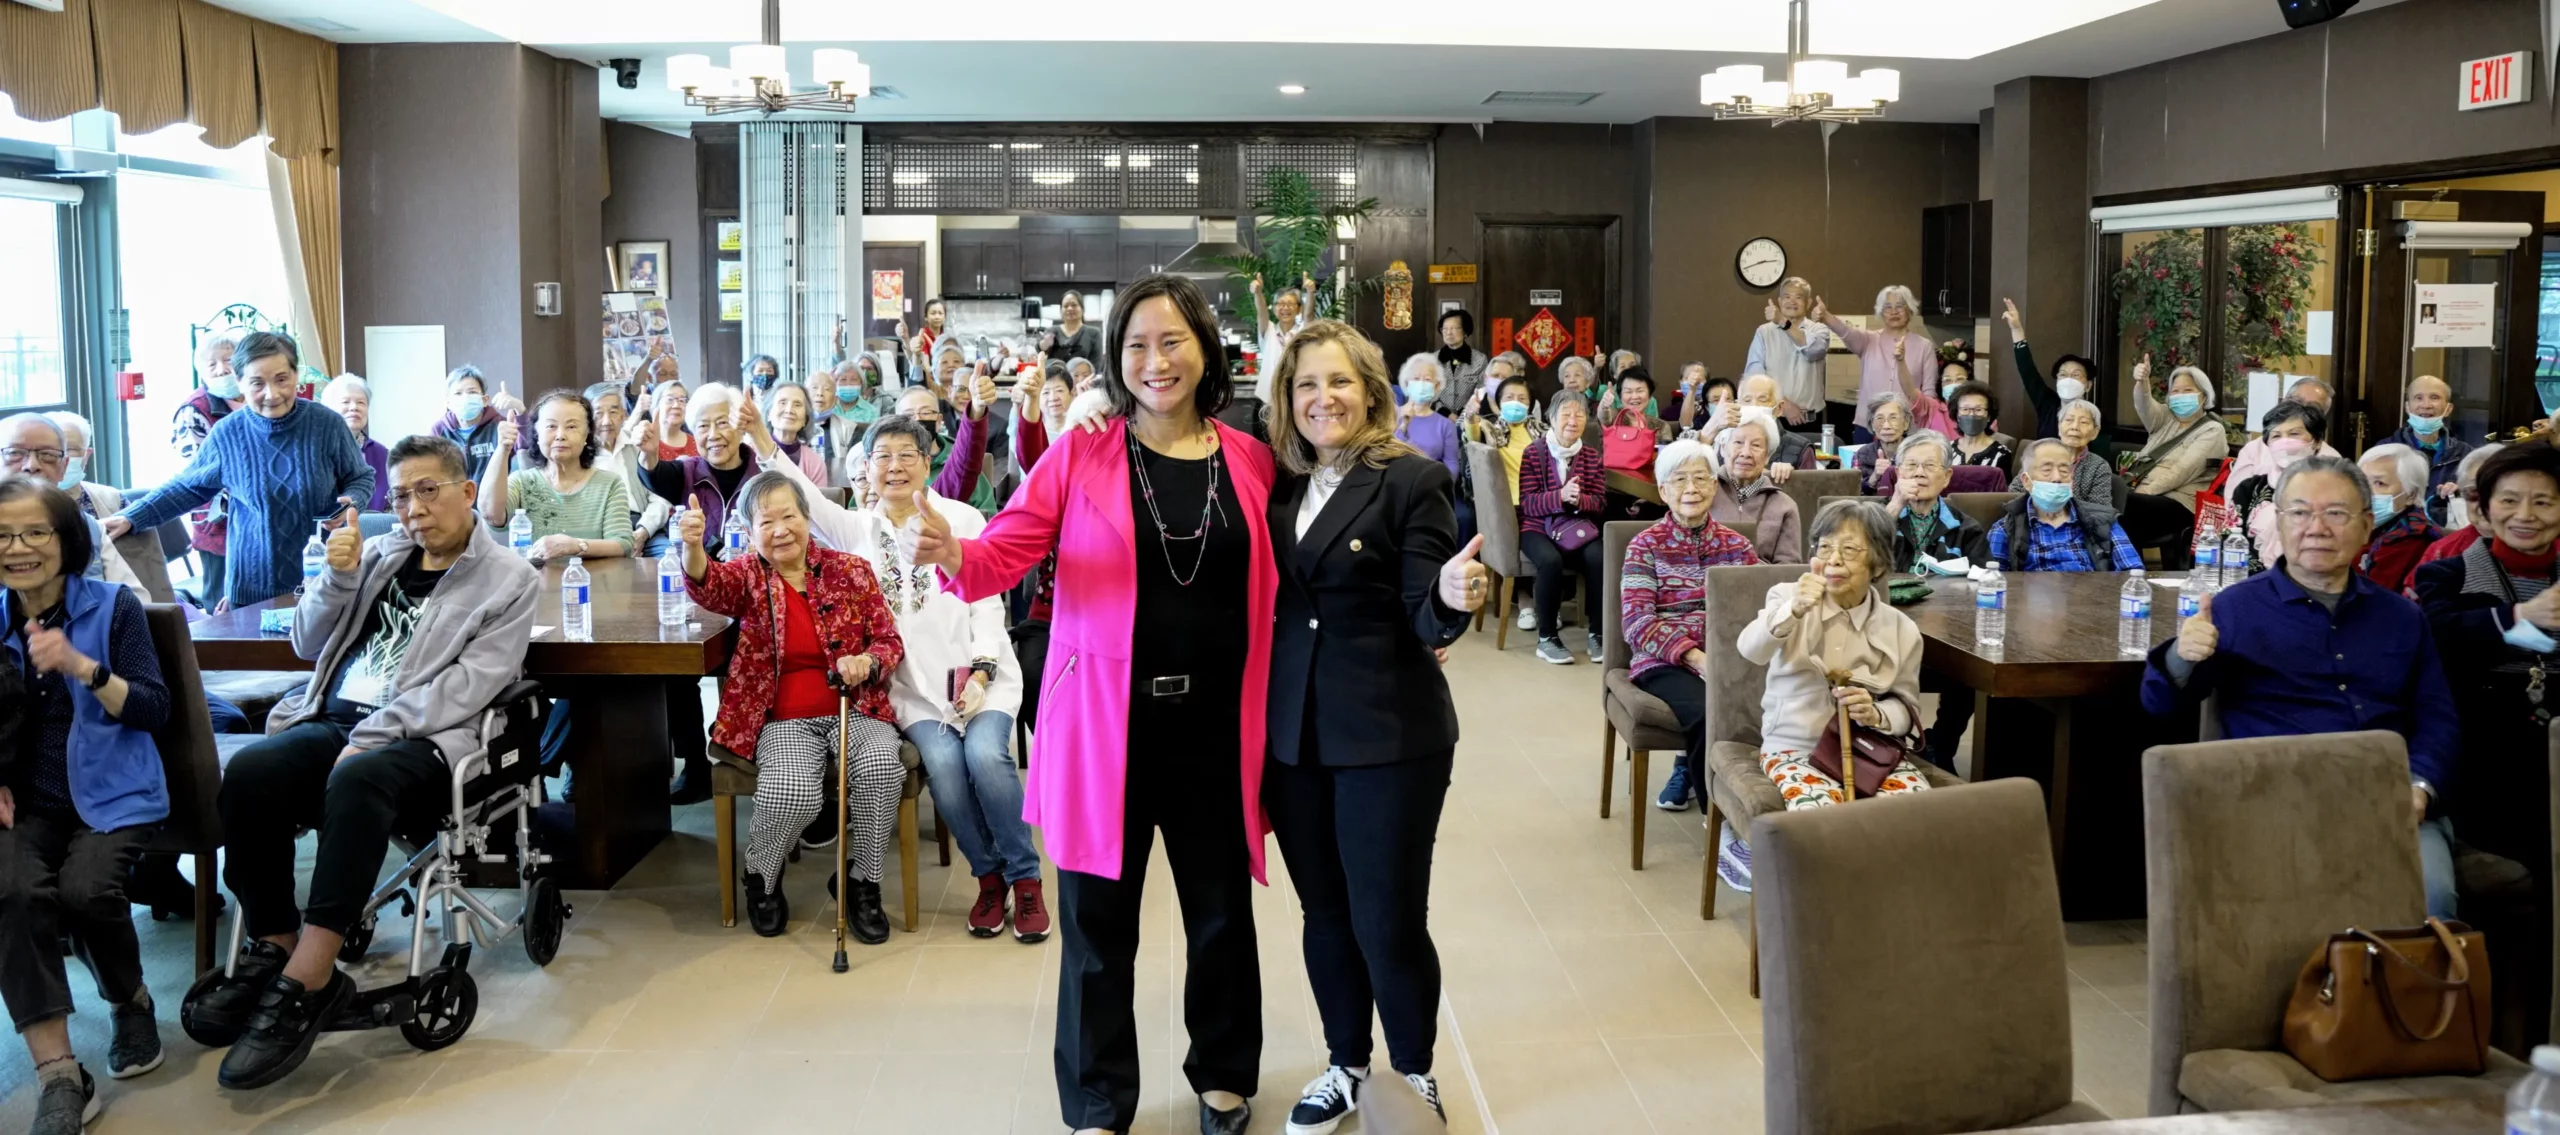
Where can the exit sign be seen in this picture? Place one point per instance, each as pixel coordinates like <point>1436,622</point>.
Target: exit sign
<point>2500,80</point>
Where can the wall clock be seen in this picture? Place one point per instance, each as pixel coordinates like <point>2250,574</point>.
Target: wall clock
<point>1762,262</point>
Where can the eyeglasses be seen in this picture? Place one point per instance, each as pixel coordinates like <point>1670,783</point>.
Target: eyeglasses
<point>424,494</point>
<point>898,457</point>
<point>1839,553</point>
<point>2334,517</point>
<point>32,538</point>
<point>14,455</point>
<point>1919,468</point>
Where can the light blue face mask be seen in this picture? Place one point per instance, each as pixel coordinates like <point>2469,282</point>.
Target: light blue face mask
<point>472,407</point>
<point>1948,391</point>
<point>846,396</point>
<point>73,470</point>
<point>2385,506</point>
<point>2185,405</point>
<point>1514,412</point>
<point>2049,495</point>
<point>224,386</point>
<point>1420,391</point>
<point>2425,425</point>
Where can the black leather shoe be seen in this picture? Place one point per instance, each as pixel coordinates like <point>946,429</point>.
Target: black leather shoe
<point>767,911</point>
<point>281,1031</point>
<point>1215,1122</point>
<point>867,921</point>
<point>222,1012</point>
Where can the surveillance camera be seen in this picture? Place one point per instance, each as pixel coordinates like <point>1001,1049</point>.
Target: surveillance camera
<point>626,73</point>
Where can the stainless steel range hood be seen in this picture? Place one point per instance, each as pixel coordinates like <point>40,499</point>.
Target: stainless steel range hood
<point>1217,238</point>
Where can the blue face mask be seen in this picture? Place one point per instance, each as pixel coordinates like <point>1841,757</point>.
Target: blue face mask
<point>2049,495</point>
<point>1514,412</point>
<point>760,382</point>
<point>2425,425</point>
<point>2185,405</point>
<point>846,396</point>
<point>2385,506</point>
<point>72,472</point>
<point>224,386</point>
<point>472,407</point>
<point>1420,391</point>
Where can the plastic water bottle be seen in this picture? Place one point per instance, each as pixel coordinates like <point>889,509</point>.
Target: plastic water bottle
<point>315,555</point>
<point>674,607</point>
<point>2533,1105</point>
<point>2208,546</point>
<point>2235,554</point>
<point>2133,615</point>
<point>577,614</point>
<point>1830,442</point>
<point>2192,593</point>
<point>1991,608</point>
<point>520,533</point>
<point>733,535</point>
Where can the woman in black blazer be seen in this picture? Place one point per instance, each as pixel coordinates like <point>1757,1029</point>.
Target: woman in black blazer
<point>1372,589</point>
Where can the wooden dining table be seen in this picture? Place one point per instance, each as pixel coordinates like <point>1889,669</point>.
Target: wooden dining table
<point>2059,655</point>
<point>616,683</point>
<point>2469,1115</point>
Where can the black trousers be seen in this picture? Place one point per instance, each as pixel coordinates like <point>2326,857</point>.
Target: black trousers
<point>1686,694</point>
<point>294,780</point>
<point>1183,780</point>
<point>2156,521</point>
<point>1546,588</point>
<point>1358,842</point>
<point>59,876</point>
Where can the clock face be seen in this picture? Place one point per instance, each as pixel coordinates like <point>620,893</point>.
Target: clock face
<point>1762,262</point>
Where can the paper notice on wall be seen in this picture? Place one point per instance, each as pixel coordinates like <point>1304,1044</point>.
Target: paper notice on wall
<point>2454,315</point>
<point>888,293</point>
<point>732,236</point>
<point>733,307</point>
<point>2319,336</point>
<point>2264,389</point>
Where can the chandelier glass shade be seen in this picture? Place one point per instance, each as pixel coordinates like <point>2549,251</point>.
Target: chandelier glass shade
<point>1812,90</point>
<point>758,77</point>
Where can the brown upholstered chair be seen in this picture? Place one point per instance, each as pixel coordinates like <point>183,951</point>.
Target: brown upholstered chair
<point>1807,487</point>
<point>1737,791</point>
<point>1963,877</point>
<point>2257,851</point>
<point>1498,520</point>
<point>140,548</point>
<point>1626,710</point>
<point>190,764</point>
<point>1982,508</point>
<point>733,776</point>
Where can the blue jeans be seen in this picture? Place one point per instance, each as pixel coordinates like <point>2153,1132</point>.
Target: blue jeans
<point>977,793</point>
<point>2435,864</point>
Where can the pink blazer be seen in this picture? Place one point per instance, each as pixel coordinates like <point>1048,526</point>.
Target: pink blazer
<point>1076,502</point>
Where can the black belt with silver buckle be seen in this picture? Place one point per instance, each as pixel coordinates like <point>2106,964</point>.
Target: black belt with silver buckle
<point>1171,686</point>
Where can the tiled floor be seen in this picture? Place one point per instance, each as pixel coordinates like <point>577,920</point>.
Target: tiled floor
<point>1582,997</point>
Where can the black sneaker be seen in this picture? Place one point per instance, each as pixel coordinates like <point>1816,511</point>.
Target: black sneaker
<point>280,1033</point>
<point>1429,1090</point>
<point>222,1012</point>
<point>136,1046</point>
<point>867,921</point>
<point>767,911</point>
<point>1215,1122</point>
<point>67,1105</point>
<point>1328,1098</point>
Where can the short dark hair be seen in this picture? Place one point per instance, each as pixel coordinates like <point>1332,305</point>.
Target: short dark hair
<point>1636,373</point>
<point>2522,457</point>
<point>751,495</point>
<point>70,528</point>
<point>454,377</point>
<point>2313,418</point>
<point>587,455</point>
<point>1713,381</point>
<point>1216,388</point>
<point>429,447</point>
<point>1466,322</point>
<point>264,345</point>
<point>901,425</point>
<point>750,368</point>
<point>2087,367</point>
<point>1990,401</point>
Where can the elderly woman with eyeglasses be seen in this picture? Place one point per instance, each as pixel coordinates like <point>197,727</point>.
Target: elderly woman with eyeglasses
<point>1888,422</point>
<point>2186,449</point>
<point>786,407</point>
<point>1750,493</point>
<point>1662,600</point>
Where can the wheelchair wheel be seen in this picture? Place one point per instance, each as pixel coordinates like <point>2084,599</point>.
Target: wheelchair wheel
<point>546,918</point>
<point>359,939</point>
<point>197,1030</point>
<point>447,1001</point>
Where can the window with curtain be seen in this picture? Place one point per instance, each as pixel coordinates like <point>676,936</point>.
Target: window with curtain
<point>31,329</point>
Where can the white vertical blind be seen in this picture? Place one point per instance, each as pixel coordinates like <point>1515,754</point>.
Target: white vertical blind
<point>799,231</point>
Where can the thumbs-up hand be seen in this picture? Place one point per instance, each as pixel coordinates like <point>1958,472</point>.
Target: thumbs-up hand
<point>934,544</point>
<point>2142,370</point>
<point>50,651</point>
<point>1462,580</point>
<point>509,433</point>
<point>1769,312</point>
<point>345,547</point>
<point>2197,637</point>
<point>1821,310</point>
<point>689,528</point>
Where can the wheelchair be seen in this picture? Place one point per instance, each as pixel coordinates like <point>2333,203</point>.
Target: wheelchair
<point>435,1004</point>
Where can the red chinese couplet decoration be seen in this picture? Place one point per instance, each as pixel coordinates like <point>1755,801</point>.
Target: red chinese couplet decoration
<point>1586,332</point>
<point>1501,335</point>
<point>1544,338</point>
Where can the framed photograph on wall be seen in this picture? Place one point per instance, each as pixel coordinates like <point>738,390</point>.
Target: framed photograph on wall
<point>641,266</point>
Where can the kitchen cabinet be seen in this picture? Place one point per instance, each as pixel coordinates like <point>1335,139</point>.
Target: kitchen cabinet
<point>1145,252</point>
<point>1955,261</point>
<point>981,262</point>
<point>1069,250</point>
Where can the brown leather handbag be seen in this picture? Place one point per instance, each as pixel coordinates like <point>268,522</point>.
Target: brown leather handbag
<point>2382,1003</point>
<point>1873,754</point>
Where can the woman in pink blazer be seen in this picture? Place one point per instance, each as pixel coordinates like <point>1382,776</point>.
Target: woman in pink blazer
<point>1159,650</point>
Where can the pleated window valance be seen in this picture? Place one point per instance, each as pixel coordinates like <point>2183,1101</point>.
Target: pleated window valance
<point>159,62</point>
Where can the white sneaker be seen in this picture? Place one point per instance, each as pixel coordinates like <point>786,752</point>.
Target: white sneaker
<point>1528,620</point>
<point>1328,1098</point>
<point>1733,862</point>
<point>1429,1090</point>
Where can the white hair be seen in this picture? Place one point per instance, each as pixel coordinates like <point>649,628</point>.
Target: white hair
<point>2467,472</point>
<point>347,384</point>
<point>2096,419</point>
<point>1891,398</point>
<point>2204,385</point>
<point>64,421</point>
<point>1751,416</point>
<point>1896,293</point>
<point>1946,449</point>
<point>1415,364</point>
<point>1574,360</point>
<point>1682,452</point>
<point>2407,464</point>
<point>712,396</point>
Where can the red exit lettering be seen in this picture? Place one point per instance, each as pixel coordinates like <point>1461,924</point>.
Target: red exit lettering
<point>2489,79</point>
<point>2496,81</point>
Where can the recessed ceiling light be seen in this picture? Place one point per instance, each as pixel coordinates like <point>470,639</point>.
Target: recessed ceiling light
<point>1292,89</point>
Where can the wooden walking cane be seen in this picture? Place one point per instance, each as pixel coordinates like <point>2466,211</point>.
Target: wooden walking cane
<point>844,801</point>
<point>1848,745</point>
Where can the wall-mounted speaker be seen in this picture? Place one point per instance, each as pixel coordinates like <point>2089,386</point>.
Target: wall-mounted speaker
<point>2304,13</point>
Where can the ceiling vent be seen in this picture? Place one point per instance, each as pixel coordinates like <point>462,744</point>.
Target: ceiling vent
<point>1540,98</point>
<point>321,24</point>
<point>887,94</point>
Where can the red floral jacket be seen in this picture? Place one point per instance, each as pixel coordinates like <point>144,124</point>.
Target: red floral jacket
<point>852,618</point>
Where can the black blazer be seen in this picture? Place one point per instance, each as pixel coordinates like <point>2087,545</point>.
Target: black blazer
<point>1353,679</point>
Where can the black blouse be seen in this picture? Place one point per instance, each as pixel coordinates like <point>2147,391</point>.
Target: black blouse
<point>1195,627</point>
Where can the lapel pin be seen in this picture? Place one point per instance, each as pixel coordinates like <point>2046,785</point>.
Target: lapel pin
<point>1355,544</point>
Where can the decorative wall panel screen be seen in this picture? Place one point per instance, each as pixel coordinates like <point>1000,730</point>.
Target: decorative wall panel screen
<point>1332,167</point>
<point>1061,177</point>
<point>1164,177</point>
<point>934,177</point>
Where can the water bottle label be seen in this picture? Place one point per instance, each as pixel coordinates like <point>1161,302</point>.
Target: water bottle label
<point>1990,600</point>
<point>669,583</point>
<point>2208,556</point>
<point>2132,608</point>
<point>577,596</point>
<point>2188,606</point>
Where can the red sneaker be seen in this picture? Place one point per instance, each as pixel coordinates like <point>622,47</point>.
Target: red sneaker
<point>1030,914</point>
<point>986,916</point>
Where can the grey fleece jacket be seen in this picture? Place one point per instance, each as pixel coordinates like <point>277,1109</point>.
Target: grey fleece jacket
<point>469,645</point>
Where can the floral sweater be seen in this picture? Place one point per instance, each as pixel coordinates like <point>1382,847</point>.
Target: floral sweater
<point>853,617</point>
<point>1662,592</point>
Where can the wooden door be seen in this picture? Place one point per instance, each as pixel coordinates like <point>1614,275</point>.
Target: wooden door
<point>2493,389</point>
<point>1574,259</point>
<point>907,257</point>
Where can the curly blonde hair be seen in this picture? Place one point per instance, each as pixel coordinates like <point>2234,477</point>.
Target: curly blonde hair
<point>1375,442</point>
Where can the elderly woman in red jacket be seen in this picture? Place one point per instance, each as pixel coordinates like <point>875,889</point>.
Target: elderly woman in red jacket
<point>812,624</point>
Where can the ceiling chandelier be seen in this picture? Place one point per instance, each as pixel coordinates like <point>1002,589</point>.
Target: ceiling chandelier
<point>757,77</point>
<point>1815,90</point>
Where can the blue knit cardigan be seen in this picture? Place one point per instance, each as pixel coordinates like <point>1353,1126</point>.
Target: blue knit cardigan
<point>283,474</point>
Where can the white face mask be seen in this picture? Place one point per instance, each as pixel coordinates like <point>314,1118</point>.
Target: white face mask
<point>2069,388</point>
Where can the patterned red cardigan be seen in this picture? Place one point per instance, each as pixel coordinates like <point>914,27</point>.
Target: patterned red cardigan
<point>852,617</point>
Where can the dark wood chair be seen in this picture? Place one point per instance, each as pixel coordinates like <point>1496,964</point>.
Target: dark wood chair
<point>191,764</point>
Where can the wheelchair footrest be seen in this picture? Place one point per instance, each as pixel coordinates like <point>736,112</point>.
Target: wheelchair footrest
<point>386,1007</point>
